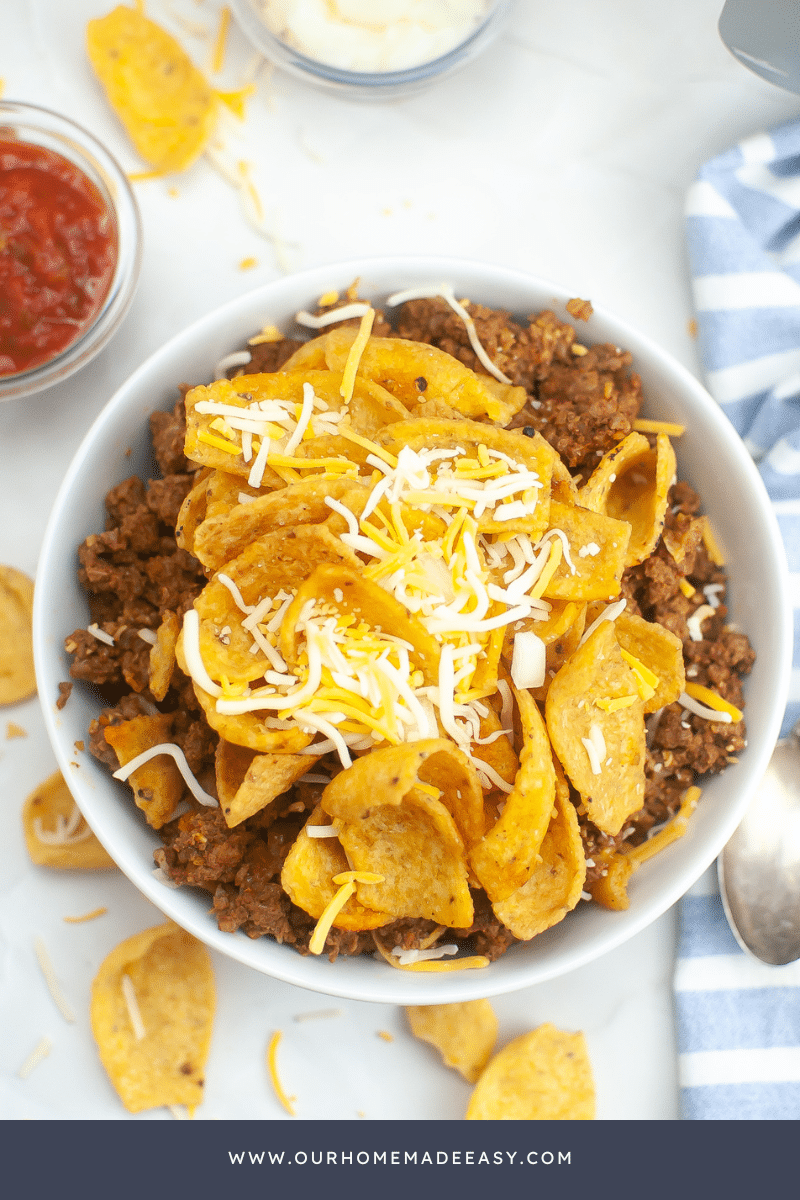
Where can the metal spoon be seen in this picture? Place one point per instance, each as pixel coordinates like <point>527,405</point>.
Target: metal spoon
<point>759,869</point>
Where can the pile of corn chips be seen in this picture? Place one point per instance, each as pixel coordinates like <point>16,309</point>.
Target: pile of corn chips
<point>419,604</point>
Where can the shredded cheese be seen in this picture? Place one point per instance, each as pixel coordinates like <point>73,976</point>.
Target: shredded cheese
<point>43,958</point>
<point>345,313</point>
<point>132,1006</point>
<point>645,425</point>
<point>272,1066</point>
<point>446,293</point>
<point>37,1055</point>
<point>646,680</point>
<point>354,355</point>
<point>178,755</point>
<point>329,915</point>
<point>713,549</point>
<point>694,623</point>
<point>218,57</point>
<point>100,634</point>
<point>713,700</point>
<point>669,832</point>
<point>89,916</point>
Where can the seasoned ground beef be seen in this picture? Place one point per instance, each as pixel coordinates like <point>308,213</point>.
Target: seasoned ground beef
<point>583,400</point>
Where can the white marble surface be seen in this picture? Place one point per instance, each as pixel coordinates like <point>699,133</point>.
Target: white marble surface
<point>565,150</point>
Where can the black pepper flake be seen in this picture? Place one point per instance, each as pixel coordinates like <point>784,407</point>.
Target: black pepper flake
<point>421,383</point>
<point>529,431</point>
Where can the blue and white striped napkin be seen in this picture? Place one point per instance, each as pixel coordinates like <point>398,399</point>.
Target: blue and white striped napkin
<point>739,1020</point>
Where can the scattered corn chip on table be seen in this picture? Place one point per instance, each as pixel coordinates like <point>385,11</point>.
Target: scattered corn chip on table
<point>603,143</point>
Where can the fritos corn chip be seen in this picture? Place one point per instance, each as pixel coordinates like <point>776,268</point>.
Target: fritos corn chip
<point>544,1075</point>
<point>507,855</point>
<point>17,677</point>
<point>464,1034</point>
<point>165,104</point>
<point>602,751</point>
<point>152,1011</point>
<point>308,873</point>
<point>157,784</point>
<point>56,834</point>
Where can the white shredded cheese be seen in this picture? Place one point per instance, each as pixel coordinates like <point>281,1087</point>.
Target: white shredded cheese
<point>177,754</point>
<point>702,710</point>
<point>132,1005</point>
<point>694,623</point>
<point>239,358</point>
<point>37,1055</point>
<point>407,958</point>
<point>335,315</point>
<point>43,958</point>
<point>445,291</point>
<point>528,660</point>
<point>100,634</point>
<point>610,613</point>
<point>321,831</point>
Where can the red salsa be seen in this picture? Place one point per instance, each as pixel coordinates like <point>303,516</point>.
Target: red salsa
<point>58,250</point>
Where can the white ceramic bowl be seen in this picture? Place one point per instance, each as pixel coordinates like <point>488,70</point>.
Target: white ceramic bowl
<point>711,457</point>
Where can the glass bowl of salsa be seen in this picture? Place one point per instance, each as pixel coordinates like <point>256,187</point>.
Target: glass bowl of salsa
<point>70,247</point>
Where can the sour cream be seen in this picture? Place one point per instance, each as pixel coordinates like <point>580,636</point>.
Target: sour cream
<point>373,35</point>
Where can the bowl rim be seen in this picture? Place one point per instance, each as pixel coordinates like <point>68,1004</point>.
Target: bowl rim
<point>381,85</point>
<point>502,976</point>
<point>80,147</point>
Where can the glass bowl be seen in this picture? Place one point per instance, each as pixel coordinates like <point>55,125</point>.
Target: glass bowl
<point>365,84</point>
<point>711,457</point>
<point>31,125</point>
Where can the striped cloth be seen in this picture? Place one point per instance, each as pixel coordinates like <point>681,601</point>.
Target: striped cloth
<point>739,1020</point>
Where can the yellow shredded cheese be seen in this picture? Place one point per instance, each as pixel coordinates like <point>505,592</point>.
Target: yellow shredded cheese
<point>270,333</point>
<point>686,588</point>
<point>218,57</point>
<point>613,704</point>
<point>645,425</point>
<point>713,700</point>
<point>272,1066</point>
<point>373,447</point>
<point>354,356</point>
<point>646,681</point>
<point>90,916</point>
<point>331,912</point>
<point>713,549</point>
<point>473,963</point>
<point>669,833</point>
<point>220,443</point>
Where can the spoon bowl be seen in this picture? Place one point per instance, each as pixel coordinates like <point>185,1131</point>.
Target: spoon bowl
<point>759,868</point>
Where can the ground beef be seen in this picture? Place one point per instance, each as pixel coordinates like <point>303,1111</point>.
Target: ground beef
<point>582,399</point>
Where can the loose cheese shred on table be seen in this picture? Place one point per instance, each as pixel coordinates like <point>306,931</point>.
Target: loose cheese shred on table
<point>90,916</point>
<point>218,58</point>
<point>272,1066</point>
<point>37,1055</point>
<point>43,958</point>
